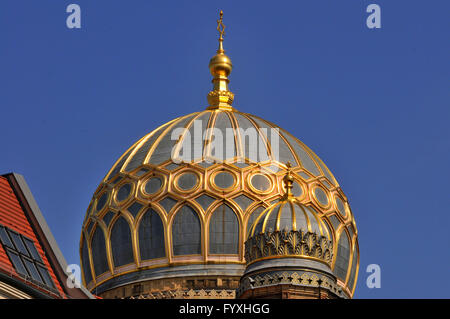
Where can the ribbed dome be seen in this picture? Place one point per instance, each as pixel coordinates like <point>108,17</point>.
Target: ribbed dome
<point>289,215</point>
<point>156,147</point>
<point>173,212</point>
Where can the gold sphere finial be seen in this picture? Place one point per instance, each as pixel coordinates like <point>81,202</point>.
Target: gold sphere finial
<point>220,67</point>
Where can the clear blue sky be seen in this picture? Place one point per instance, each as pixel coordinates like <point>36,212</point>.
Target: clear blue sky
<point>373,104</point>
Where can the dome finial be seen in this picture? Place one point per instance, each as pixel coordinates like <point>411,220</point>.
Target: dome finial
<point>220,67</point>
<point>288,181</point>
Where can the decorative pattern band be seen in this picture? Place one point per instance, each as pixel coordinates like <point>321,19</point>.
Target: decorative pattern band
<point>288,243</point>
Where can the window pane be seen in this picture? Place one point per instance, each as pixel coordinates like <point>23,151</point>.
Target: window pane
<point>121,245</point>
<point>99,252</point>
<point>32,270</point>
<point>151,236</point>
<point>17,263</point>
<point>5,238</point>
<point>46,276</point>
<point>32,249</point>
<point>19,244</point>
<point>223,231</point>
<point>186,233</point>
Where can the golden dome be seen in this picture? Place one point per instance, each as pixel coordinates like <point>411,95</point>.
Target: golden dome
<point>177,205</point>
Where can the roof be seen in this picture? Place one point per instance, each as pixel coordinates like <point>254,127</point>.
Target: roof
<point>21,222</point>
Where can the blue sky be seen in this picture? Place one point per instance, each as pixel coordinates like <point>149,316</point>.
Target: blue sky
<point>373,104</point>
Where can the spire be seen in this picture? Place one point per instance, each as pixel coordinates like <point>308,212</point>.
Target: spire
<point>220,67</point>
<point>288,180</point>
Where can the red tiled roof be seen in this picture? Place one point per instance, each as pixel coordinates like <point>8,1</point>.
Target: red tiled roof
<point>13,217</point>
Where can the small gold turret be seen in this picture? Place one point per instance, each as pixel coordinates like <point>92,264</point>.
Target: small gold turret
<point>220,67</point>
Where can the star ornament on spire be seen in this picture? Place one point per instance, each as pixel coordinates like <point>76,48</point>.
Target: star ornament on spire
<point>221,26</point>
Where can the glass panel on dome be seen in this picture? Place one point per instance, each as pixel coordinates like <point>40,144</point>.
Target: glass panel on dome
<point>187,181</point>
<point>261,182</point>
<point>85,262</point>
<point>167,203</point>
<point>223,144</point>
<point>224,180</point>
<point>124,192</point>
<point>205,201</point>
<point>186,232</point>
<point>139,156</point>
<point>301,152</point>
<point>243,201</point>
<point>343,256</point>
<point>300,219</point>
<point>304,175</point>
<point>253,144</point>
<point>120,164</point>
<point>280,150</point>
<point>286,218</point>
<point>99,252</point>
<point>253,217</point>
<point>122,248</point>
<point>135,208</point>
<point>195,150</point>
<point>102,201</point>
<point>108,217</point>
<point>141,172</point>
<point>151,236</point>
<point>163,150</point>
<point>325,170</point>
<point>223,231</point>
<point>153,185</point>
<point>320,195</point>
<point>171,166</point>
<point>341,207</point>
<point>335,222</point>
<point>313,220</point>
<point>351,280</point>
<point>297,191</point>
<point>271,224</point>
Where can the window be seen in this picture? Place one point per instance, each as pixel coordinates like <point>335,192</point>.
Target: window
<point>151,236</point>
<point>186,232</point>
<point>24,256</point>
<point>224,231</point>
<point>122,248</point>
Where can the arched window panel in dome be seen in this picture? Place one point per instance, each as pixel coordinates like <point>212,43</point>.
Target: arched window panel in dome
<point>151,236</point>
<point>279,148</point>
<point>334,221</point>
<point>306,160</point>
<point>85,262</point>
<point>352,278</point>
<point>222,144</point>
<point>98,248</point>
<point>254,215</point>
<point>163,150</point>
<point>108,217</point>
<point>121,245</point>
<point>186,232</point>
<point>342,257</point>
<point>142,150</point>
<point>253,145</point>
<point>224,231</point>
